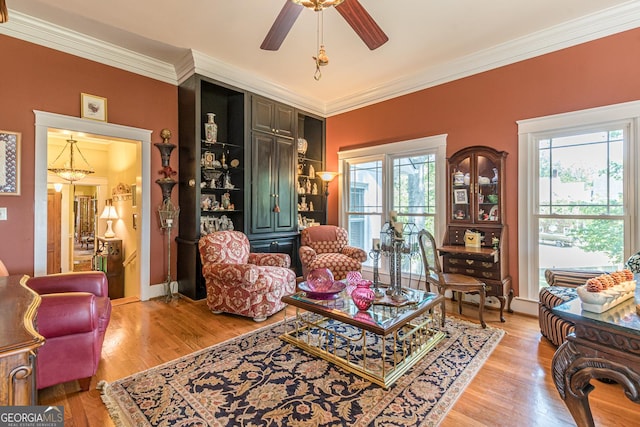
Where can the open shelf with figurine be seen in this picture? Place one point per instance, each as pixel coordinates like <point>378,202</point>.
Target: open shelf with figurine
<point>212,170</point>
<point>310,188</point>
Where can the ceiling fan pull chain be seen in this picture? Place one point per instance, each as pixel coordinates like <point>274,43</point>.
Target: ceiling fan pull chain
<point>318,74</point>
<point>321,57</point>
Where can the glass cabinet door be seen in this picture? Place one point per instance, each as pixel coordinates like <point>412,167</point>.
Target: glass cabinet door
<point>488,190</point>
<point>475,187</point>
<point>461,190</point>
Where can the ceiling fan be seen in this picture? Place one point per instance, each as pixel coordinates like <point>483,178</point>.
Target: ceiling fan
<point>351,10</point>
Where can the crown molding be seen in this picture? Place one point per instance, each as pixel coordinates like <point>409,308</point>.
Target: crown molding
<point>591,27</point>
<point>28,28</point>
<point>588,28</point>
<point>196,62</point>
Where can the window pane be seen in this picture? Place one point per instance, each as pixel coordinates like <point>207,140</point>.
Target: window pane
<point>414,185</point>
<point>365,204</point>
<point>414,198</point>
<point>582,174</point>
<point>579,245</point>
<point>365,187</point>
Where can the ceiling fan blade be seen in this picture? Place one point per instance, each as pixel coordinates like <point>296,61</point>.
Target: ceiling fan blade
<point>280,28</point>
<point>362,23</point>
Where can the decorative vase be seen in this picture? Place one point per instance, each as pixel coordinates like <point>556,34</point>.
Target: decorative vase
<point>211,128</point>
<point>302,146</point>
<point>165,152</point>
<point>353,277</point>
<point>362,295</point>
<point>167,186</point>
<point>320,279</point>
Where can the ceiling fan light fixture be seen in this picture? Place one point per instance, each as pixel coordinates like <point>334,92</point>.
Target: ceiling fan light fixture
<point>318,4</point>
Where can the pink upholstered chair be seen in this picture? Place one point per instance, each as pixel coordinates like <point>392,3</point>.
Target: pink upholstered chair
<point>73,317</point>
<point>241,282</point>
<point>327,246</point>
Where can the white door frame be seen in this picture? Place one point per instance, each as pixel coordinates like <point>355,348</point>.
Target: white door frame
<point>45,121</point>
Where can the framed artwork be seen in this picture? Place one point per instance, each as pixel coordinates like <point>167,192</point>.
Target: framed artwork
<point>208,159</point>
<point>460,197</point>
<point>93,107</point>
<point>9,163</point>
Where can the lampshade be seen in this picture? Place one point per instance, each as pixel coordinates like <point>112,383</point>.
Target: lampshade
<point>69,171</point>
<point>318,4</point>
<point>109,213</point>
<point>327,176</point>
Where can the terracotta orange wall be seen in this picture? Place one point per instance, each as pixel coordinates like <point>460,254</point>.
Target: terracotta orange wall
<point>33,77</point>
<point>483,109</point>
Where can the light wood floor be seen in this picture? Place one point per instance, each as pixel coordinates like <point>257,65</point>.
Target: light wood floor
<point>513,388</point>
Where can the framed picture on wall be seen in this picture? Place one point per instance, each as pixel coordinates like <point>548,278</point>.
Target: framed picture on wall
<point>93,107</point>
<point>9,163</point>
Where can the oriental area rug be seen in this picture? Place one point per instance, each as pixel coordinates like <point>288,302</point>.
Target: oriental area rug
<point>259,380</point>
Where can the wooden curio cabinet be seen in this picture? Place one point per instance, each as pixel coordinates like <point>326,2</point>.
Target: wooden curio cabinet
<point>476,193</point>
<point>475,203</point>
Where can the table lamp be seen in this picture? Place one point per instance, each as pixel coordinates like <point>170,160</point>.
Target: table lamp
<point>109,213</point>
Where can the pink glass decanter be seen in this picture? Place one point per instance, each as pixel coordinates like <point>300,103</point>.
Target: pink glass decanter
<point>353,277</point>
<point>362,295</point>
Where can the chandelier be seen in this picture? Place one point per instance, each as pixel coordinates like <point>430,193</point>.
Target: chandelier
<point>317,4</point>
<point>69,171</point>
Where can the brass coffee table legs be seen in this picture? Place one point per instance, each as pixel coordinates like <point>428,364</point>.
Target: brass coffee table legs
<point>381,359</point>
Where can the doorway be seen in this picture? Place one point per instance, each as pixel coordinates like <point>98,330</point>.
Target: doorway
<point>49,121</point>
<point>85,211</point>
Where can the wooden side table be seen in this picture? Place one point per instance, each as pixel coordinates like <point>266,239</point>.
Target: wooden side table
<point>603,346</point>
<point>109,259</point>
<point>19,342</point>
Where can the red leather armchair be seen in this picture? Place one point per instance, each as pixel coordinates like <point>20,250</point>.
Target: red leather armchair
<point>73,317</point>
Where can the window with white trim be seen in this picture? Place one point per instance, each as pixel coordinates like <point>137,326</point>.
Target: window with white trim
<point>577,192</point>
<point>406,177</point>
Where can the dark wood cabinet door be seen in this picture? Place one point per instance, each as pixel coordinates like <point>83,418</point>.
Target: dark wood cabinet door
<point>273,207</point>
<point>263,164</point>
<point>285,220</point>
<point>284,121</point>
<point>262,114</point>
<point>271,117</point>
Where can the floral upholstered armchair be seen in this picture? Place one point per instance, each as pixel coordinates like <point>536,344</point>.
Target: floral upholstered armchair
<point>241,282</point>
<point>327,246</point>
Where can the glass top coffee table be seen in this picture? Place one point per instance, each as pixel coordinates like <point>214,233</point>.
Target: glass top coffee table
<point>379,344</point>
